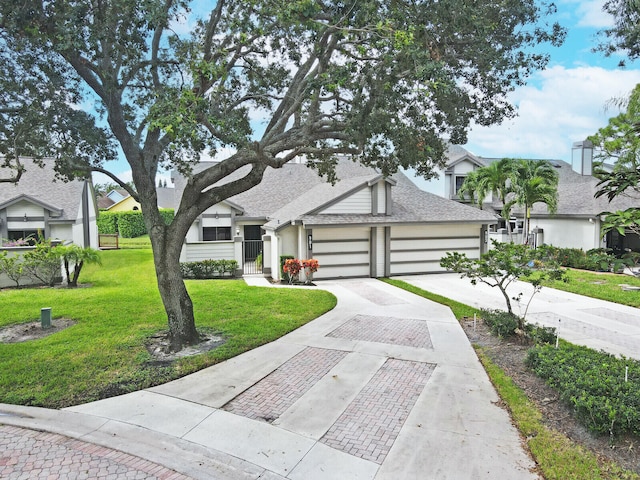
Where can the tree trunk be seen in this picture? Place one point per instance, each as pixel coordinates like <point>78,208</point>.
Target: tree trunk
<point>175,298</point>
<point>503,290</point>
<point>525,226</point>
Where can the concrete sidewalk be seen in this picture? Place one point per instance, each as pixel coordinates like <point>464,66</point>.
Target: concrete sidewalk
<point>385,386</point>
<point>587,321</point>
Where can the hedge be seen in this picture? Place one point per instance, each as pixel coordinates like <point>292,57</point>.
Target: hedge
<point>108,223</point>
<point>604,390</point>
<point>128,224</point>
<point>209,269</point>
<point>131,224</point>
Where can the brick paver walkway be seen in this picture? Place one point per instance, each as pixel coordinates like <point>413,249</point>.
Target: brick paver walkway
<point>396,331</point>
<point>27,454</point>
<point>370,424</point>
<point>271,396</point>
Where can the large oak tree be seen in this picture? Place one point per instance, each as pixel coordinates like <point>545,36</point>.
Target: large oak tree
<point>389,82</point>
<point>39,117</point>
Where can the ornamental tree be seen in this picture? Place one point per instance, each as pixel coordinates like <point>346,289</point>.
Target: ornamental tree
<point>503,265</point>
<point>389,83</point>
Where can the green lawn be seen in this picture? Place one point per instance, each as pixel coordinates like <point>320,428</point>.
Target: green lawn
<point>605,286</point>
<point>137,242</point>
<point>104,352</point>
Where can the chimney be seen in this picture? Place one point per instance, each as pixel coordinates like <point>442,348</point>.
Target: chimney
<point>582,157</point>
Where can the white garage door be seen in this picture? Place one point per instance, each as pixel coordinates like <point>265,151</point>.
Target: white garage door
<point>341,252</point>
<point>419,249</point>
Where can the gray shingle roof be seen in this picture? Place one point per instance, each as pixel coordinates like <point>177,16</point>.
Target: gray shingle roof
<point>40,185</point>
<point>295,192</point>
<point>576,196</point>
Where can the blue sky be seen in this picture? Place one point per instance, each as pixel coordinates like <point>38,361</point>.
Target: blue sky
<point>560,105</point>
<point>566,102</point>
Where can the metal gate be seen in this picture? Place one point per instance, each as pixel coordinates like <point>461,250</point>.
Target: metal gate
<point>252,256</point>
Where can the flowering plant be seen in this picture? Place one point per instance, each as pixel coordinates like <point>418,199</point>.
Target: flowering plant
<point>292,267</point>
<point>20,242</point>
<point>310,266</point>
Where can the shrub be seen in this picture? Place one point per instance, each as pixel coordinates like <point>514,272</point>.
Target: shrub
<point>128,224</point>
<point>292,267</point>
<point>204,269</point>
<point>284,275</point>
<point>11,267</point>
<point>541,335</point>
<point>502,324</point>
<point>43,263</point>
<point>167,214</point>
<point>310,267</point>
<point>593,383</point>
<point>596,259</point>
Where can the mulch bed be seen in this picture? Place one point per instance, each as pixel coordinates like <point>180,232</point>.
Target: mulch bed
<point>509,355</point>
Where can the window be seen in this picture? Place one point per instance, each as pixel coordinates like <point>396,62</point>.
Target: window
<point>459,182</point>
<point>212,234</point>
<point>30,235</point>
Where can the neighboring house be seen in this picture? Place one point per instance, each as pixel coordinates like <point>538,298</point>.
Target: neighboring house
<point>577,222</point>
<point>363,226</point>
<point>40,204</point>
<point>460,162</point>
<point>110,198</point>
<point>126,203</point>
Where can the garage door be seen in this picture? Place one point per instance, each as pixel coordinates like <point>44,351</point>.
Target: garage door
<point>341,252</point>
<point>419,249</point>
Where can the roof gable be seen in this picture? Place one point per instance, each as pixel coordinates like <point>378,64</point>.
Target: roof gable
<point>40,186</point>
<point>56,212</point>
<point>456,154</point>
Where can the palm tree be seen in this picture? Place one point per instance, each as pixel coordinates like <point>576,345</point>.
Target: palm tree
<point>534,181</point>
<point>75,257</point>
<point>497,178</point>
<point>470,189</point>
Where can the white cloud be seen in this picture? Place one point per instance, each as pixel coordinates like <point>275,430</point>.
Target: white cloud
<point>591,15</point>
<point>569,105</point>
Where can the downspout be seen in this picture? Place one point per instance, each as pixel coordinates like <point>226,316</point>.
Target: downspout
<point>85,215</point>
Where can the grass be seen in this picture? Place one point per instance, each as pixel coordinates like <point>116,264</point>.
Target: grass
<point>558,457</point>
<point>604,286</point>
<point>137,242</point>
<point>105,350</point>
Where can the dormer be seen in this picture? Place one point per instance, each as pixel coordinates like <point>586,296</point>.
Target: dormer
<point>457,172</point>
<point>372,198</point>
